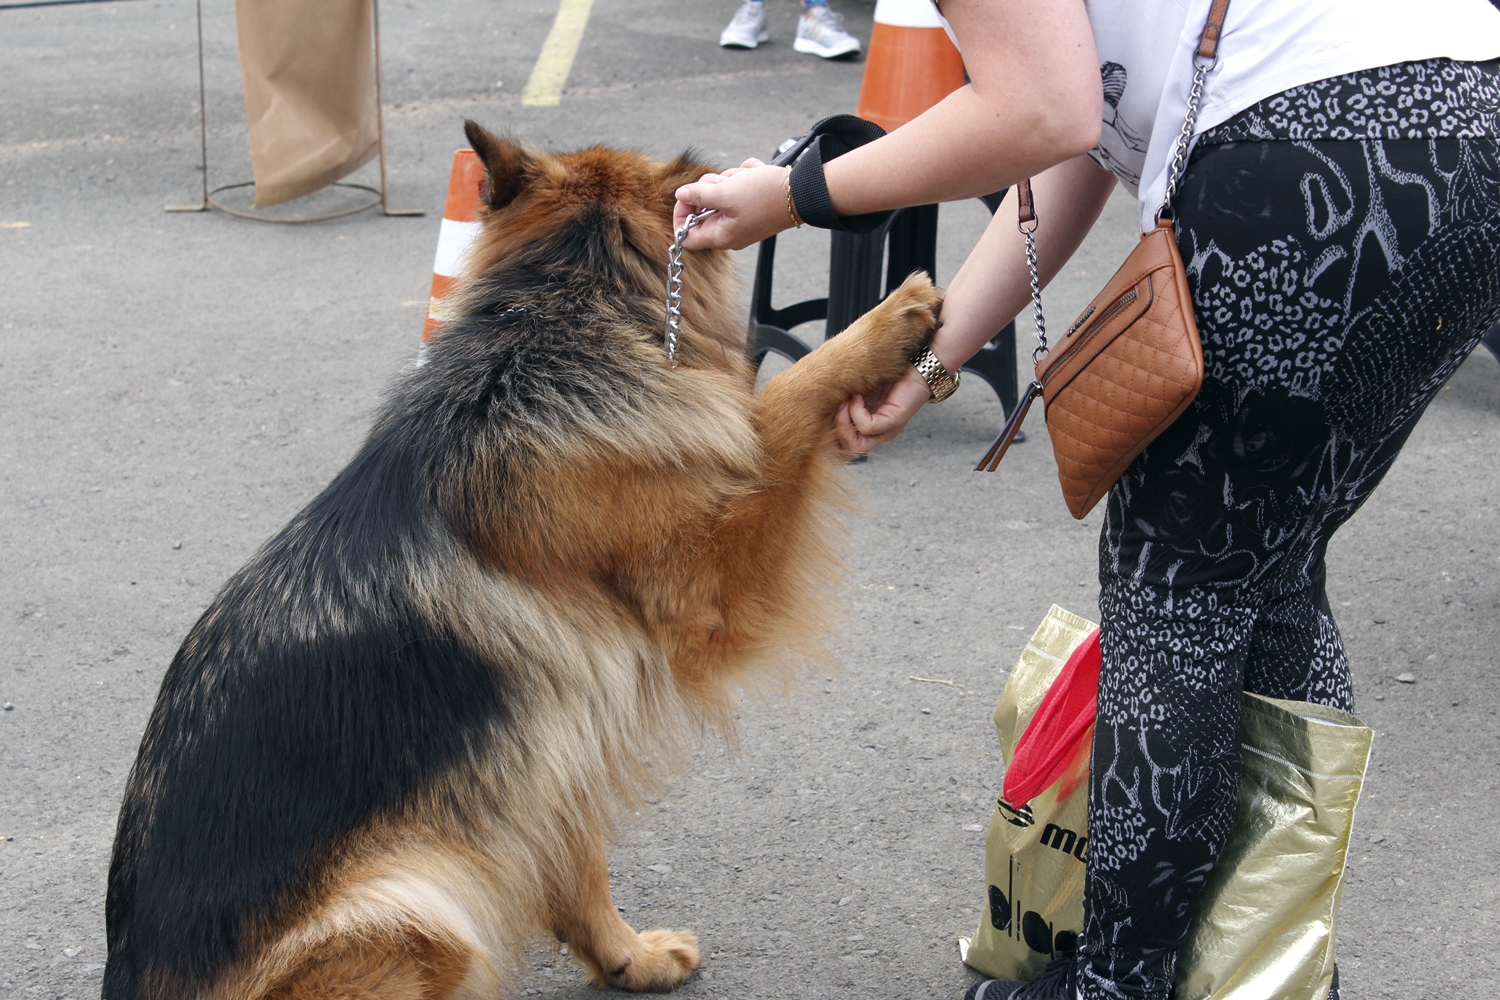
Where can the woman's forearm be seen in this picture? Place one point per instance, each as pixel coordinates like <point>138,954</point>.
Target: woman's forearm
<point>1034,101</point>
<point>988,292</point>
<point>994,286</point>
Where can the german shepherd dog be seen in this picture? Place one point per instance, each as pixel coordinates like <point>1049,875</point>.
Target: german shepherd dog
<point>390,751</point>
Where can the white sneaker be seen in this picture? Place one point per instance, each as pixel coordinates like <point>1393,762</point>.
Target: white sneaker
<point>820,32</point>
<point>748,28</point>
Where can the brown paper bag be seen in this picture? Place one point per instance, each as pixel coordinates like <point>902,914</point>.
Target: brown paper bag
<point>309,92</point>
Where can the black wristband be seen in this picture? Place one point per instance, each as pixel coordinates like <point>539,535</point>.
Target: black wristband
<point>827,140</point>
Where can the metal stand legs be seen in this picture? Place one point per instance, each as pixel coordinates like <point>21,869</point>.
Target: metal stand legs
<point>208,199</point>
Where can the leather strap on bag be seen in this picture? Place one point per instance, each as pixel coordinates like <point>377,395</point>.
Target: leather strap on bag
<point>1025,203</point>
<point>1208,44</point>
<point>997,449</point>
<point>1026,222</point>
<point>1205,58</point>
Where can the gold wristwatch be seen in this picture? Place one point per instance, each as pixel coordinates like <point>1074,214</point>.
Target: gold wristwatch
<point>940,382</point>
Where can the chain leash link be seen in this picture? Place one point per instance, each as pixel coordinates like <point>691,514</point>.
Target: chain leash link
<point>674,281</point>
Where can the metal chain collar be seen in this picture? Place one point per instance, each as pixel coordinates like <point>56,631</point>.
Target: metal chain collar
<point>674,281</point>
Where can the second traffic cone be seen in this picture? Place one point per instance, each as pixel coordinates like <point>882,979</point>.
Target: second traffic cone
<point>912,64</point>
<point>465,194</point>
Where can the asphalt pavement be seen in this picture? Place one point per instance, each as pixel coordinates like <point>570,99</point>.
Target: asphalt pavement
<point>174,387</point>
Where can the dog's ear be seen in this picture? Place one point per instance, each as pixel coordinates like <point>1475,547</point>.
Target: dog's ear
<point>507,166</point>
<point>686,169</point>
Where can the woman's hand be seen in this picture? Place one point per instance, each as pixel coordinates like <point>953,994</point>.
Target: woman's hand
<point>751,200</point>
<point>860,428</point>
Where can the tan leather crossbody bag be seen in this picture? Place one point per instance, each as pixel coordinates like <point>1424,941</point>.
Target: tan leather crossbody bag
<point>1132,362</point>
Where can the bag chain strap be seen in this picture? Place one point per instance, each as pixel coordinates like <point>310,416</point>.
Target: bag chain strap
<point>1201,67</point>
<point>674,281</point>
<point>1205,58</point>
<point>1026,222</point>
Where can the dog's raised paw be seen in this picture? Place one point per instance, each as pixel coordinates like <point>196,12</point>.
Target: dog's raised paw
<point>910,313</point>
<point>879,346</point>
<point>661,962</point>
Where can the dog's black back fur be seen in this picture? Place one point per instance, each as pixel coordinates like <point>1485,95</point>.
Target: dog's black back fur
<point>265,748</point>
<point>313,695</point>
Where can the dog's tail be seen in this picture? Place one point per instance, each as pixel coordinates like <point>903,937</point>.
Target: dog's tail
<point>400,938</point>
<point>393,935</point>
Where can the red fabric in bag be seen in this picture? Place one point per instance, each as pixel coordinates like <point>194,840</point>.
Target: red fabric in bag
<point>1061,721</point>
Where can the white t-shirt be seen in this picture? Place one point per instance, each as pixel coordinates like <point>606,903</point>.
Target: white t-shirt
<point>1145,52</point>
<point>1146,61</point>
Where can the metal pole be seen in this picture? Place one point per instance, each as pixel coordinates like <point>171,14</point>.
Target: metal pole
<point>208,194</point>
<point>202,128</point>
<point>385,207</point>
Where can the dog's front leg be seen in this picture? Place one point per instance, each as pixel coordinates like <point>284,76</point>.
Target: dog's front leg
<point>771,544</point>
<point>794,413</point>
<point>584,914</point>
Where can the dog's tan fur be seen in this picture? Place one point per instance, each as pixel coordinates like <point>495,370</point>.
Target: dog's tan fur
<point>626,572</point>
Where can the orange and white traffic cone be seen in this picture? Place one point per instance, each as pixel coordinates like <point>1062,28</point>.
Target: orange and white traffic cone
<point>460,228</point>
<point>912,64</point>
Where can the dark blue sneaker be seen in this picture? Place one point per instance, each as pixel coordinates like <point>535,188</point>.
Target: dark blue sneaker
<point>1059,982</point>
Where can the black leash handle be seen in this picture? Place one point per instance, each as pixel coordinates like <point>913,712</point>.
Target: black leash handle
<point>827,140</point>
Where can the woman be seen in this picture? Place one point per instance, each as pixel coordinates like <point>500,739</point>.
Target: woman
<point>1340,218</point>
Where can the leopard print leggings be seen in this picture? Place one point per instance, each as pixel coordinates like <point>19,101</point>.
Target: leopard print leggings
<point>1337,285</point>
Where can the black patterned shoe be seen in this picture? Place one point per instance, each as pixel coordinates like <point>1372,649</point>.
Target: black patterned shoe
<point>1059,982</point>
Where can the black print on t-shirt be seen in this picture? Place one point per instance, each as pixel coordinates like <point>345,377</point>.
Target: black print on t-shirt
<point>1113,77</point>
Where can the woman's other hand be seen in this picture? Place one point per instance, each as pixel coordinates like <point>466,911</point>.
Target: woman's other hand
<point>860,427</point>
<point>751,203</point>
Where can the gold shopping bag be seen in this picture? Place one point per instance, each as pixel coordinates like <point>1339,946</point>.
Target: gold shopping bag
<point>1034,852</point>
<point>1266,923</point>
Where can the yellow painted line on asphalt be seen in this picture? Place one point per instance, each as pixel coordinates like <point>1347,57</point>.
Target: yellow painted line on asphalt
<point>544,89</point>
